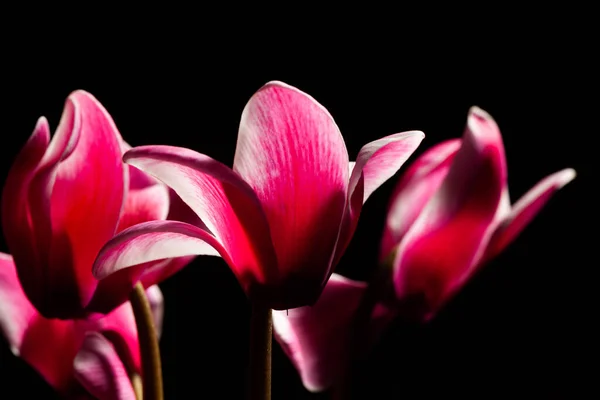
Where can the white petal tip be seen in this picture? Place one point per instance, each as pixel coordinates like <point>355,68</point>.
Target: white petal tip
<point>42,121</point>
<point>565,176</point>
<point>477,116</point>
<point>278,83</point>
<point>15,351</point>
<point>313,388</point>
<point>420,134</point>
<point>478,111</point>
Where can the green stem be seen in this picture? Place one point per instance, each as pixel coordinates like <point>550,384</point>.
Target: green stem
<point>261,334</point>
<point>152,385</point>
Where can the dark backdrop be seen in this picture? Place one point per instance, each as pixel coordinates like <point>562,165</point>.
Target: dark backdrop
<point>520,326</point>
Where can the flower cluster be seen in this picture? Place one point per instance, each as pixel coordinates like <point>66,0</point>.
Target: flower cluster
<point>93,225</point>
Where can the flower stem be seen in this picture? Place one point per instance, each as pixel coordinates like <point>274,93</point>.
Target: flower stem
<point>136,382</point>
<point>261,334</point>
<point>152,385</point>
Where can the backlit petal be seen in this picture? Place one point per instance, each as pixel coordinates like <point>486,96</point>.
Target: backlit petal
<point>291,152</point>
<point>415,187</point>
<point>525,209</point>
<point>316,337</point>
<point>100,370</point>
<point>224,202</point>
<point>443,243</point>
<point>377,162</point>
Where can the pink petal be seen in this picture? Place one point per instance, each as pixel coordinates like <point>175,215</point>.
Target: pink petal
<point>49,346</point>
<point>16,312</point>
<point>16,221</point>
<point>100,371</point>
<point>414,189</point>
<point>293,155</point>
<point>178,211</point>
<point>224,202</point>
<point>444,241</point>
<point>147,199</point>
<point>115,288</point>
<point>46,345</point>
<point>151,241</point>
<point>76,199</point>
<point>144,203</point>
<point>119,326</point>
<point>377,162</point>
<point>526,209</point>
<point>316,337</point>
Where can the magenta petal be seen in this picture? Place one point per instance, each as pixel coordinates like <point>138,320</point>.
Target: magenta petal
<point>316,337</point>
<point>526,209</point>
<point>49,346</point>
<point>100,371</point>
<point>222,200</point>
<point>293,155</point>
<point>446,239</point>
<point>377,162</point>
<point>76,199</point>
<point>16,221</point>
<point>414,189</point>
<point>144,203</point>
<point>152,241</point>
<point>46,345</point>
<point>16,312</point>
<point>147,199</point>
<point>178,211</point>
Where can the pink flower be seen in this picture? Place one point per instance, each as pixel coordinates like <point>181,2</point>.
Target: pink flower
<point>285,213</point>
<point>63,199</point>
<point>78,358</point>
<point>449,215</point>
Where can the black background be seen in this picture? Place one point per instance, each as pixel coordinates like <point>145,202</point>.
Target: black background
<point>520,326</point>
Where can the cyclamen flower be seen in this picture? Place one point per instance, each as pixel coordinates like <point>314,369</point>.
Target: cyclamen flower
<point>285,213</point>
<point>449,214</point>
<point>63,199</point>
<point>83,359</point>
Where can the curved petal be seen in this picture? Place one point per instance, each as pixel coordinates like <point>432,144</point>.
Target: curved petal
<point>16,221</point>
<point>442,244</point>
<point>178,211</point>
<point>292,153</point>
<point>526,209</point>
<point>223,201</point>
<point>16,312</point>
<point>76,199</point>
<point>377,162</point>
<point>315,338</point>
<point>155,272</point>
<point>98,368</point>
<point>151,241</point>
<point>414,189</point>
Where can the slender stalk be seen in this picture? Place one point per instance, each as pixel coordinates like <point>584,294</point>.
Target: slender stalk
<point>261,337</point>
<point>136,382</point>
<point>152,385</point>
